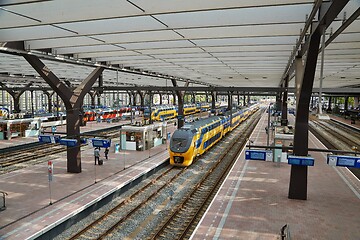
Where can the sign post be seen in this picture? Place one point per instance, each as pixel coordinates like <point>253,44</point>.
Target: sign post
<point>50,176</point>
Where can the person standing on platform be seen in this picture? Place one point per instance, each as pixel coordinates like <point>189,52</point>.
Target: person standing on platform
<point>96,154</point>
<point>106,153</point>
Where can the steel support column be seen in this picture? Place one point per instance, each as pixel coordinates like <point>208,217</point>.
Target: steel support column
<point>329,105</point>
<point>15,94</point>
<point>284,115</point>
<point>73,100</point>
<point>213,98</point>
<point>229,107</point>
<point>298,176</point>
<point>180,96</point>
<point>49,104</point>
<point>346,103</point>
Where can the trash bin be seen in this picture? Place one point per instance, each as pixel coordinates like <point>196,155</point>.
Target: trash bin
<point>117,147</point>
<point>2,201</point>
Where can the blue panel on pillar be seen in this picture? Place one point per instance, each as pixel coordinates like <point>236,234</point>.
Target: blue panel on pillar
<point>45,138</point>
<point>301,161</point>
<point>262,155</point>
<point>343,161</point>
<point>104,143</point>
<point>68,142</point>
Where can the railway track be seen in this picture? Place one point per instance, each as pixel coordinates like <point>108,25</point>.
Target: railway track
<point>9,159</point>
<point>182,220</point>
<point>342,138</point>
<point>113,218</point>
<point>177,192</point>
<point>335,136</point>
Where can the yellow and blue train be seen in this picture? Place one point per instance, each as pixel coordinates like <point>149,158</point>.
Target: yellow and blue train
<point>193,139</point>
<point>165,112</point>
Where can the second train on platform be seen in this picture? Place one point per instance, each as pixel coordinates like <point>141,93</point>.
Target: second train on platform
<point>196,138</point>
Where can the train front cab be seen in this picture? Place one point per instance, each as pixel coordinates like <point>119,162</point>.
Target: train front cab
<point>183,147</point>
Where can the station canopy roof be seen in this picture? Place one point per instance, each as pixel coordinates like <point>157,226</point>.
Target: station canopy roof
<point>244,43</point>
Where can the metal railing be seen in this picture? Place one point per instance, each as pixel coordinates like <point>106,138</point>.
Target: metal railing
<point>2,201</point>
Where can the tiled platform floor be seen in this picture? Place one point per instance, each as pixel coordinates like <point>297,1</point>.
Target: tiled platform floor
<point>253,203</point>
<point>28,211</point>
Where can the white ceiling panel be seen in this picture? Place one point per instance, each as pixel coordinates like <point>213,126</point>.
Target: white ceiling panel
<point>163,6</point>
<point>171,50</point>
<point>278,40</point>
<point>115,25</point>
<point>140,37</point>
<point>61,42</point>
<point>242,16</point>
<point>29,33</point>
<point>217,42</point>
<point>98,48</point>
<point>124,58</point>
<point>243,31</point>
<point>107,54</point>
<point>163,44</point>
<point>68,10</point>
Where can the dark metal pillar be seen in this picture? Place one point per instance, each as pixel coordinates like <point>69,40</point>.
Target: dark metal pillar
<point>174,98</point>
<point>73,100</point>
<point>284,115</point>
<point>180,96</point>
<point>346,103</point>
<point>15,94</point>
<point>329,105</point>
<point>213,97</point>
<point>150,105</point>
<point>298,176</point>
<point>229,107</point>
<point>238,99</point>
<point>244,100</point>
<point>49,100</point>
<point>278,102</point>
<point>141,94</point>
<point>160,95</point>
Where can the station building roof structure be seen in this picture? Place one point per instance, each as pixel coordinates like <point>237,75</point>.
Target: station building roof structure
<point>247,43</point>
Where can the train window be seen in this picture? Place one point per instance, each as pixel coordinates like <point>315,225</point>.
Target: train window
<point>179,142</point>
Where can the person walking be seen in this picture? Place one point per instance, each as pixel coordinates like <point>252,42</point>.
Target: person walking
<point>96,155</point>
<point>106,153</point>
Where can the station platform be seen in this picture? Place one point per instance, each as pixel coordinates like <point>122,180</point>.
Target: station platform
<point>29,213</point>
<point>90,126</point>
<point>253,201</point>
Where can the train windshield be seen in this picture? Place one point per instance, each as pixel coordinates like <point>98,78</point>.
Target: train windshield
<point>179,142</point>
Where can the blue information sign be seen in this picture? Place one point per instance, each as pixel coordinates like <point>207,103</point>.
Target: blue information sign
<point>343,161</point>
<point>44,138</point>
<point>258,155</point>
<point>104,143</point>
<point>68,142</point>
<point>49,138</point>
<point>301,161</point>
